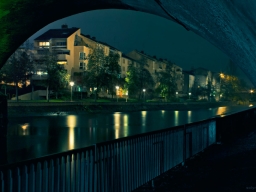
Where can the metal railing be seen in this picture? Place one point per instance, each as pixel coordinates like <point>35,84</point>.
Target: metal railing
<point>119,165</point>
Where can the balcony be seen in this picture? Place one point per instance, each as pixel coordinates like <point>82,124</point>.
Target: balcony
<point>39,77</point>
<point>62,57</point>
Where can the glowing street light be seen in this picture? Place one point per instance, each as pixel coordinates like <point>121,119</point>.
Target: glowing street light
<point>189,94</point>
<point>117,88</point>
<point>177,94</point>
<point>126,95</point>
<point>71,85</point>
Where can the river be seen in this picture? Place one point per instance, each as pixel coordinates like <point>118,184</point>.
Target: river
<point>31,137</point>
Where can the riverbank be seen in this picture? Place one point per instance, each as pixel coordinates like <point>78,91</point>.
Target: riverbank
<point>62,108</point>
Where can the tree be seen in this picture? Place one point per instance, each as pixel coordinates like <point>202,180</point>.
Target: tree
<point>57,76</point>
<point>112,69</point>
<point>144,77</point>
<point>138,78</point>
<point>231,87</point>
<point>167,81</point>
<point>95,74</point>
<point>18,68</point>
<point>131,80</point>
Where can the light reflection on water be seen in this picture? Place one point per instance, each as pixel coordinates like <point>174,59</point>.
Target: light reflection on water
<point>71,123</point>
<point>37,136</point>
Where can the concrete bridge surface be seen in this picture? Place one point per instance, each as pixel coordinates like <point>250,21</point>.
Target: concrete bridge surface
<point>229,25</point>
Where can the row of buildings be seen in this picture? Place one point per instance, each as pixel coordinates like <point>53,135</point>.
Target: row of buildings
<point>73,47</point>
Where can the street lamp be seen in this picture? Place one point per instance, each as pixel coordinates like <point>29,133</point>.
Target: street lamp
<point>126,95</point>
<point>71,85</point>
<point>117,88</point>
<point>189,94</point>
<point>144,90</point>
<point>177,94</point>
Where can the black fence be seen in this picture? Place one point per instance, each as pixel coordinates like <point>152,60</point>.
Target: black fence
<point>123,164</point>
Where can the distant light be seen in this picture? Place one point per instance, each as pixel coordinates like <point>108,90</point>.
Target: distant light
<point>144,90</point>
<point>71,83</point>
<point>25,126</point>
<point>250,105</point>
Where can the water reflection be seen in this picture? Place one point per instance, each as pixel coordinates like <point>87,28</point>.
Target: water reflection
<point>143,119</point>
<point>126,120</point>
<point>189,117</point>
<point>117,125</point>
<point>53,134</point>
<point>71,123</point>
<point>221,110</point>
<point>176,117</point>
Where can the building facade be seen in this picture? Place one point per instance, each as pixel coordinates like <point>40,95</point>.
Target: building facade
<point>72,49</point>
<point>155,65</point>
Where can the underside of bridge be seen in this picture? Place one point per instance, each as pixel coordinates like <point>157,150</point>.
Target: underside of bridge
<point>229,25</point>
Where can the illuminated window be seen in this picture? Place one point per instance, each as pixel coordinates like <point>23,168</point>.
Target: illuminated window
<point>44,44</point>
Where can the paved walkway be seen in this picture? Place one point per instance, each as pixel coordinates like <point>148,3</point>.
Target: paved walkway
<point>225,167</point>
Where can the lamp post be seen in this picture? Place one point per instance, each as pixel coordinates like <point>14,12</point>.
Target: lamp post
<point>177,94</point>
<point>221,76</point>
<point>117,88</point>
<point>144,90</point>
<point>189,94</point>
<point>71,85</point>
<point>126,95</point>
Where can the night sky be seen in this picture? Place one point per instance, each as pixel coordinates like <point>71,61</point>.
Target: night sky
<point>129,30</point>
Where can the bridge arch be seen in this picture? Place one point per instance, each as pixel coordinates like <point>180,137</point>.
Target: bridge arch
<point>227,25</point>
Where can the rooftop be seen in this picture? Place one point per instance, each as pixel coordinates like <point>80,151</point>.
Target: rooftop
<point>57,33</point>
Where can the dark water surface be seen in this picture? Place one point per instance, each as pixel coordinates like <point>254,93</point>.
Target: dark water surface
<point>31,137</point>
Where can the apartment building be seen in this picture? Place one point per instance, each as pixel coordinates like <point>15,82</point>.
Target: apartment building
<point>203,76</point>
<point>71,46</point>
<point>126,61</point>
<point>205,79</point>
<point>155,65</point>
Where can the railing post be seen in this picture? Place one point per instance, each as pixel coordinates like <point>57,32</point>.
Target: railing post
<point>219,126</point>
<point>94,170</point>
<point>184,144</point>
<point>3,115</point>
